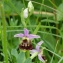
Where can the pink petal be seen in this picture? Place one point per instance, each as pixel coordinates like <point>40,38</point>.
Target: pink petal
<point>19,35</point>
<point>33,51</point>
<point>38,45</point>
<point>40,58</point>
<point>31,36</point>
<point>26,32</point>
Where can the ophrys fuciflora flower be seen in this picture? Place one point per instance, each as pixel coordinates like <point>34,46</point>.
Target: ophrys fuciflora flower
<point>26,42</point>
<point>38,51</point>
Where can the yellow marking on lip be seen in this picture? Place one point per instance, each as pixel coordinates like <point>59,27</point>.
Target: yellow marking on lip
<point>25,38</point>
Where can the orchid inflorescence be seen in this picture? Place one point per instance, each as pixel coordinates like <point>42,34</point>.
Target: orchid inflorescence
<point>29,10</point>
<point>26,43</point>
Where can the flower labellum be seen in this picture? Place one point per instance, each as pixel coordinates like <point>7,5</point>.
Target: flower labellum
<point>38,51</point>
<point>26,44</point>
<point>25,13</point>
<point>26,39</point>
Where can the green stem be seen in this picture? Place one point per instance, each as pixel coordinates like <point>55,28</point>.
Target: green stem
<point>24,3</point>
<point>27,54</point>
<point>37,28</point>
<point>53,53</point>
<point>23,19</point>
<point>4,37</point>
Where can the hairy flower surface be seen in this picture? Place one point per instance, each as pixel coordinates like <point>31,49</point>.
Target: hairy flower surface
<point>38,50</point>
<point>26,39</point>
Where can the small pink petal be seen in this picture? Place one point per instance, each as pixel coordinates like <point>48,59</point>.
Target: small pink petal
<point>19,35</point>
<point>31,36</point>
<point>26,32</point>
<point>40,58</point>
<point>38,45</point>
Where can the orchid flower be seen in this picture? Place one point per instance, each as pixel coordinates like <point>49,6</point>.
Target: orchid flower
<point>26,39</point>
<point>38,51</point>
<point>26,35</point>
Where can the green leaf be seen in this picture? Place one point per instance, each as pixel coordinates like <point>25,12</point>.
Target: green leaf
<point>21,57</point>
<point>49,41</point>
<point>14,53</point>
<point>37,28</point>
<point>13,22</point>
<point>61,31</point>
<point>60,12</point>
<point>7,8</point>
<point>28,60</point>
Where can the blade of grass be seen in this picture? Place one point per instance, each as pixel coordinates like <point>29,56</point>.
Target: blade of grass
<point>54,51</point>
<point>60,60</point>
<point>23,19</point>
<point>37,28</point>
<point>4,39</point>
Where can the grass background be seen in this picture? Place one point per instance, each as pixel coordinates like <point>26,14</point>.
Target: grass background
<point>46,21</point>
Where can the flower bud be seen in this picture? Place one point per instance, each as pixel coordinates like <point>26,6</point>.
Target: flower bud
<point>30,7</point>
<point>25,13</point>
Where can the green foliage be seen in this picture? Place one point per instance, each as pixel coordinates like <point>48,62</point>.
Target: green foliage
<point>46,21</point>
<point>12,23</point>
<point>14,53</point>
<point>21,57</point>
<point>28,60</point>
<point>60,12</point>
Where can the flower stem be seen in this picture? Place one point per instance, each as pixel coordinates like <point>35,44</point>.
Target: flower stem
<point>27,54</point>
<point>23,19</point>
<point>24,3</point>
<point>4,39</point>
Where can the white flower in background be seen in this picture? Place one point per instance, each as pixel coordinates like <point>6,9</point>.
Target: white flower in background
<point>29,10</point>
<point>30,7</point>
<point>25,13</point>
